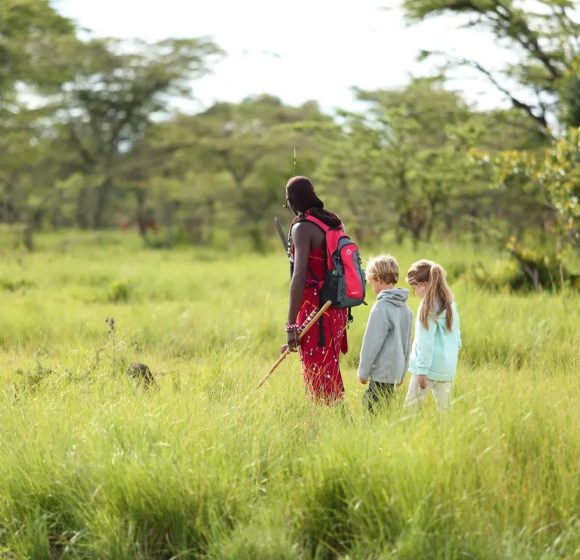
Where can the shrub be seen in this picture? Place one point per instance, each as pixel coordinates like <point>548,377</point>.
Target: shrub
<point>120,291</point>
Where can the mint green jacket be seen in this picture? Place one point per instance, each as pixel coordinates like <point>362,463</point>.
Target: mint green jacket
<point>435,350</point>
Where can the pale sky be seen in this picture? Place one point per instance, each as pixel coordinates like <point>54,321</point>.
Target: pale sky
<point>297,50</point>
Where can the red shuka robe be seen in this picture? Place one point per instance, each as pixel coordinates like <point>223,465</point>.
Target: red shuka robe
<point>321,363</point>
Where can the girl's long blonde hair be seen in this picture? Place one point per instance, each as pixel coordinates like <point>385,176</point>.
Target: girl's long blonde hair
<point>438,296</point>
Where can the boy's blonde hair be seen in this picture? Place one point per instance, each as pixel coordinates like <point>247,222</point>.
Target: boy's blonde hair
<point>384,267</point>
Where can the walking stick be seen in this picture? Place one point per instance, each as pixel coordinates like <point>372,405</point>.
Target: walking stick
<point>304,328</point>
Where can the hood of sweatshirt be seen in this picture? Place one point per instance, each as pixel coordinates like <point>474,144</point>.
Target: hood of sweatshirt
<point>396,296</point>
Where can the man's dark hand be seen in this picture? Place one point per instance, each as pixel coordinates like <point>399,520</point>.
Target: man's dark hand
<point>292,340</point>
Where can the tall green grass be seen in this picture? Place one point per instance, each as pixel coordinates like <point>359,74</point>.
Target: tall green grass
<point>93,466</point>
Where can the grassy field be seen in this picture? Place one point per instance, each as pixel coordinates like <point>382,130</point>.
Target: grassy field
<point>209,467</point>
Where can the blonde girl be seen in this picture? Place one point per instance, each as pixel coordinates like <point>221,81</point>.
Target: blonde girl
<point>437,336</point>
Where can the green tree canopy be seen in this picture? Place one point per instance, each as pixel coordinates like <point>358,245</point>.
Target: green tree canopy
<point>400,162</point>
<point>230,162</point>
<point>545,33</point>
<point>115,94</point>
<point>32,35</point>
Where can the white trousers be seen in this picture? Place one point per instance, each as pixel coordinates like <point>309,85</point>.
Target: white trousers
<point>416,395</point>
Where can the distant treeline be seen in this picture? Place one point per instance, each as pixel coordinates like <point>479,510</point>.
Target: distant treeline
<point>87,140</point>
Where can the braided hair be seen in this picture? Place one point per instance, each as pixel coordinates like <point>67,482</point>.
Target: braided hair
<point>302,197</point>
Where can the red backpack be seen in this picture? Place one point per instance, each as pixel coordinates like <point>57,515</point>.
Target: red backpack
<point>344,283</point>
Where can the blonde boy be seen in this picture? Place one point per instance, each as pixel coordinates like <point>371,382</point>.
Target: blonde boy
<point>385,351</point>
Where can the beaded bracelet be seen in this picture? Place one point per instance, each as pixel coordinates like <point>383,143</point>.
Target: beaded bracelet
<point>291,327</point>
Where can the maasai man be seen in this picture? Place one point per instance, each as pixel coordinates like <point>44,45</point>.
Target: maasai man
<point>320,348</point>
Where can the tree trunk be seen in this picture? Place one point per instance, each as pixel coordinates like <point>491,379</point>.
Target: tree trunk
<point>429,229</point>
<point>8,208</point>
<point>169,212</point>
<point>103,191</point>
<point>141,214</point>
<point>82,211</point>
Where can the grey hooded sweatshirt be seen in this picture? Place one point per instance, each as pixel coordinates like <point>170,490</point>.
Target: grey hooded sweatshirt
<point>386,346</point>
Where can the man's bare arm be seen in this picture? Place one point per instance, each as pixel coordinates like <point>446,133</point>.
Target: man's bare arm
<point>301,236</point>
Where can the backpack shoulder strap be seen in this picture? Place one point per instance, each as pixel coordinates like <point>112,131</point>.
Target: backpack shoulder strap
<point>324,227</point>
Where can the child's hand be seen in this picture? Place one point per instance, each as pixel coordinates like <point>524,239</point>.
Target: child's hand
<point>423,381</point>
<point>363,381</point>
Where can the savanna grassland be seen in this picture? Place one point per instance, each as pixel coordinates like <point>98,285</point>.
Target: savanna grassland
<point>93,466</point>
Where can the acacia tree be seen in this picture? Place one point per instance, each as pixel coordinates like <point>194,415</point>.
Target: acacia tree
<point>235,158</point>
<point>201,175</point>
<point>33,37</point>
<point>32,34</point>
<point>349,176</point>
<point>545,33</point>
<point>399,164</point>
<point>107,107</point>
<point>553,177</point>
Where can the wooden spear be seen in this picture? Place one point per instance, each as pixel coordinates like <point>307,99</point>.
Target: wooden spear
<point>304,328</point>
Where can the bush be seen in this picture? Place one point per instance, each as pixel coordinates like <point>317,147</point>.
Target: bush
<point>539,269</point>
<point>120,291</point>
<point>529,270</point>
<point>15,285</point>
